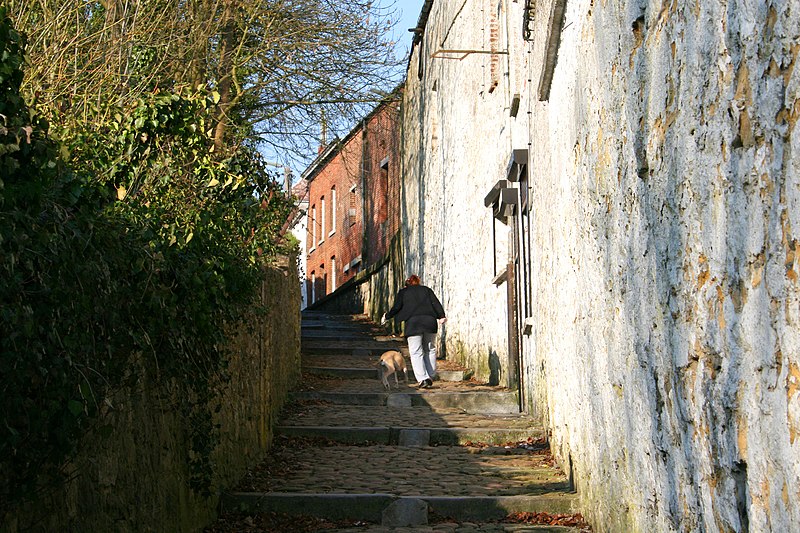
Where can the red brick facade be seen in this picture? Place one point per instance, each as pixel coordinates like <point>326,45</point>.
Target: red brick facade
<point>349,230</point>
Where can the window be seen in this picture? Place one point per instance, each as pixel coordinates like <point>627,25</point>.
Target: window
<point>313,227</point>
<point>333,273</point>
<point>333,210</point>
<point>383,207</point>
<point>351,207</point>
<point>322,224</point>
<point>313,287</point>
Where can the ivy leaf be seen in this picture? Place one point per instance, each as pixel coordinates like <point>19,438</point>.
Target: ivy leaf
<point>75,407</point>
<point>215,97</point>
<point>86,390</point>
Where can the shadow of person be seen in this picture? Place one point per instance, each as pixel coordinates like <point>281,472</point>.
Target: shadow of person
<point>494,368</point>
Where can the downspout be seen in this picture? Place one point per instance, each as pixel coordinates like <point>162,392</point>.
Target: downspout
<point>364,206</point>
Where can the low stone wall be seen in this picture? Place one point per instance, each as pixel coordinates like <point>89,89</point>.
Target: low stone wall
<point>132,473</point>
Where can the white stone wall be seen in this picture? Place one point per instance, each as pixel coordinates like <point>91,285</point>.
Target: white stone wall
<point>666,192</point>
<point>454,129</point>
<point>300,232</point>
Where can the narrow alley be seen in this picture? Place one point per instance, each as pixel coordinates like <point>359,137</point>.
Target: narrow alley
<point>351,456</point>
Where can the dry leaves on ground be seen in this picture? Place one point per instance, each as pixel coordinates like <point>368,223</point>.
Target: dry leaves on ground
<point>275,523</point>
<point>546,519</point>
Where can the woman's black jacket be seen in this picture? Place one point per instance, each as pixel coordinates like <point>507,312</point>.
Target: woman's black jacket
<point>419,307</point>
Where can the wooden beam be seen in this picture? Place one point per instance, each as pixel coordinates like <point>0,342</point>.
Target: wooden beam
<point>554,26</point>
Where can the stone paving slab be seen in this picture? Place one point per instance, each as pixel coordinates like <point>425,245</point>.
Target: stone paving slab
<point>426,471</point>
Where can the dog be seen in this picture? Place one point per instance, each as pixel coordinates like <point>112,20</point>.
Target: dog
<point>392,362</point>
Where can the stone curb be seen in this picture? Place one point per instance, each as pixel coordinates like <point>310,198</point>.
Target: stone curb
<point>453,375</point>
<point>496,507</point>
<point>391,435</point>
<point>371,506</point>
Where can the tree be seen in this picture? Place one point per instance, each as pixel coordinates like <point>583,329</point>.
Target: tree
<point>278,66</point>
<point>122,235</point>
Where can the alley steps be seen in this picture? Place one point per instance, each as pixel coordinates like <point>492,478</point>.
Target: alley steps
<point>348,449</point>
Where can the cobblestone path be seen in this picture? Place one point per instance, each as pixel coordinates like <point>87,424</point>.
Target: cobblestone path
<point>353,457</point>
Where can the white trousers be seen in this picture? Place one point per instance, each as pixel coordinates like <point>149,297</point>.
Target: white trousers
<point>422,349</point>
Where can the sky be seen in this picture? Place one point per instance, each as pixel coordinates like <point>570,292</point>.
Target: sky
<point>409,14</point>
<point>408,11</point>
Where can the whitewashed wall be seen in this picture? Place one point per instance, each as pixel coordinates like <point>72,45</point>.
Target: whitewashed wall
<point>453,132</point>
<point>300,232</point>
<point>666,189</point>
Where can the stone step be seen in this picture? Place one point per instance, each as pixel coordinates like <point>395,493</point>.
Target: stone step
<point>398,414</point>
<point>375,372</point>
<point>475,482</point>
<point>373,385</point>
<point>320,329</point>
<point>346,448</point>
<point>392,510</point>
<point>359,349</point>
<point>347,335</point>
<point>412,435</point>
<point>487,403</point>
<point>306,338</point>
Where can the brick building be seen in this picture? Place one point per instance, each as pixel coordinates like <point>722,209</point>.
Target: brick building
<point>353,195</point>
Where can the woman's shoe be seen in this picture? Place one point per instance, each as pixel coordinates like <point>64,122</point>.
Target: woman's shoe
<point>428,383</point>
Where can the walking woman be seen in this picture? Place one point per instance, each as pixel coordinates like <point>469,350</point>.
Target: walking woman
<point>420,309</point>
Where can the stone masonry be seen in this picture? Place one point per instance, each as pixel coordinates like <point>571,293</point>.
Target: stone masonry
<point>664,193</point>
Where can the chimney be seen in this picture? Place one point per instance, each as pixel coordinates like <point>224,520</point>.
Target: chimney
<point>287,180</point>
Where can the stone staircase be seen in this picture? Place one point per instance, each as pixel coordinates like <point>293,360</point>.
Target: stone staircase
<point>407,459</point>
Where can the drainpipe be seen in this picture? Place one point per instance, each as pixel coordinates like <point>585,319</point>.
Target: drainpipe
<point>364,206</point>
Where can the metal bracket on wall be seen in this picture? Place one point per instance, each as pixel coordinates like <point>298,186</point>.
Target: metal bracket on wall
<point>444,53</point>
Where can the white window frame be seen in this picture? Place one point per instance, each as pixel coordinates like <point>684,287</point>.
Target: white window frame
<point>313,228</point>
<point>333,273</point>
<point>333,211</point>
<point>322,225</point>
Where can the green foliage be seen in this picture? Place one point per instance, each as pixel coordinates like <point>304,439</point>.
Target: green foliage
<point>118,240</point>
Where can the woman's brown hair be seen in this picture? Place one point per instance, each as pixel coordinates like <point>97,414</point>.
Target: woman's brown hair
<point>413,279</point>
